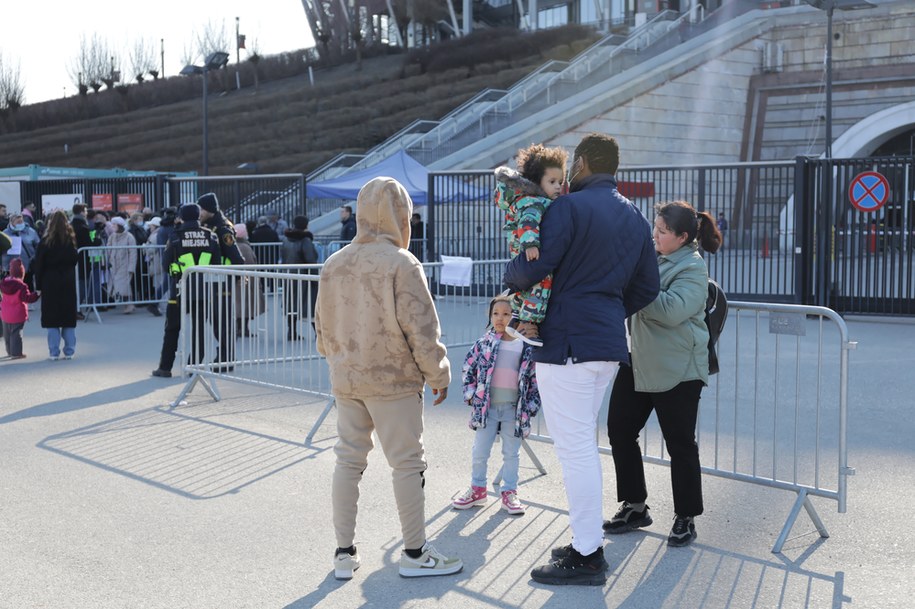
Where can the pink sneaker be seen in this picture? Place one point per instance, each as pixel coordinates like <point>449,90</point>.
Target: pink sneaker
<point>475,495</point>
<point>511,504</point>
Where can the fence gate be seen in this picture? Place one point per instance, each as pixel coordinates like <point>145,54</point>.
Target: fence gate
<point>862,217</point>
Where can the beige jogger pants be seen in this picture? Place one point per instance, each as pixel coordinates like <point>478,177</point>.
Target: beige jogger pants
<point>399,424</point>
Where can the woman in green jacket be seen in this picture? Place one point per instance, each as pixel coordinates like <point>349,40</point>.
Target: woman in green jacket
<point>669,368</point>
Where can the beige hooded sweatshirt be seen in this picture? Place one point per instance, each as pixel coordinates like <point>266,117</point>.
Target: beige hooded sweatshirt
<point>375,320</point>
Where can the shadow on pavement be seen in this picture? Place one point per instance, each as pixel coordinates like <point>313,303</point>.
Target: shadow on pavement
<point>110,395</point>
<point>182,454</point>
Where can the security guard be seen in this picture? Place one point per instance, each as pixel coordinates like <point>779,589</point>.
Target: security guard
<point>223,308</point>
<point>190,245</point>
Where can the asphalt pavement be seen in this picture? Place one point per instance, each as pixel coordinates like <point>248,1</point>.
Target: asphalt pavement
<point>111,499</point>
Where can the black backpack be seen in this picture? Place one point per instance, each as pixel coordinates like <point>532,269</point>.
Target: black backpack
<point>716,313</point>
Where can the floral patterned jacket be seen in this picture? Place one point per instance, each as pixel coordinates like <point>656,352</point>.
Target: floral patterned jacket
<point>477,375</point>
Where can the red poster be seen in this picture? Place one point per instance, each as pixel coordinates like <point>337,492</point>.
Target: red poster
<point>130,203</point>
<point>101,202</point>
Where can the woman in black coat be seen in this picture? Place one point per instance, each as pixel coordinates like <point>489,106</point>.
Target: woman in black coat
<point>55,279</point>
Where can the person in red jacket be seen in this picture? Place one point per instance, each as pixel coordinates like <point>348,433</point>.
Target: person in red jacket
<point>14,309</point>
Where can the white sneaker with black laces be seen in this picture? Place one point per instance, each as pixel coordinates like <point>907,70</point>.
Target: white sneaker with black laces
<point>345,563</point>
<point>430,563</point>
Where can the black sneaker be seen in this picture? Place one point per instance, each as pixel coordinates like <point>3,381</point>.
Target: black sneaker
<point>683,532</point>
<point>574,570</point>
<point>163,373</point>
<point>561,552</point>
<point>627,519</point>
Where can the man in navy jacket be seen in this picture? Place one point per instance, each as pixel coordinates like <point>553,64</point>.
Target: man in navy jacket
<point>599,248</point>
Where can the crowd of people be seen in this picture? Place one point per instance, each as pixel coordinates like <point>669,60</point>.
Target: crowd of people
<point>598,298</point>
<point>121,261</point>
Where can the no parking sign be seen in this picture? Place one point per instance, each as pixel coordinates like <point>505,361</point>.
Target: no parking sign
<point>868,191</point>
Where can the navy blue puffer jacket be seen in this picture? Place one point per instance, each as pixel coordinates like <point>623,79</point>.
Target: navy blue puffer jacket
<point>599,248</point>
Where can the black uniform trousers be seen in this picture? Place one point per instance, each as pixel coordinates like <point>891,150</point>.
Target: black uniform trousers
<point>677,410</point>
<point>173,329</point>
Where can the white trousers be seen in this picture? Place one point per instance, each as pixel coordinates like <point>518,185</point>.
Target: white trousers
<point>572,396</point>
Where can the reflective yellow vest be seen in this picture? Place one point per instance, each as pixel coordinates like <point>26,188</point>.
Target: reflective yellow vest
<point>186,261</point>
<point>96,255</point>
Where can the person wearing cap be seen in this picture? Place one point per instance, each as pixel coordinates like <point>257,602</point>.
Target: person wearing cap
<point>222,315</point>
<point>122,262</point>
<point>299,248</point>
<point>190,245</point>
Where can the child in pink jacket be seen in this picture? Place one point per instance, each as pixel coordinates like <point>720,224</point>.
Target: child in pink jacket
<point>14,310</point>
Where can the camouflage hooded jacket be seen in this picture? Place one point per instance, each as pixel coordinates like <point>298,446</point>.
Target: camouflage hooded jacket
<point>524,204</point>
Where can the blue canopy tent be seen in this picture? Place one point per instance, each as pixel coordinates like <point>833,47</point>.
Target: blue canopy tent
<point>400,166</point>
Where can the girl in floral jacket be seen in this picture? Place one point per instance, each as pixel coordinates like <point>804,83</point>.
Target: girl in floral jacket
<point>500,386</point>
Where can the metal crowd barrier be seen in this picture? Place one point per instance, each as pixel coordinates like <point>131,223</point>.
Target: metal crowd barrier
<point>97,284</point>
<point>233,330</point>
<point>776,415</point>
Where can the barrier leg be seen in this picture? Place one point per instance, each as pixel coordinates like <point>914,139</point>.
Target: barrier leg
<point>189,386</point>
<point>321,417</point>
<point>533,456</point>
<point>803,500</point>
<point>821,528</point>
<point>98,317</point>
<point>530,453</point>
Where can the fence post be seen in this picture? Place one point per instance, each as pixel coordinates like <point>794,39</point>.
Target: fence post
<point>700,191</point>
<point>430,221</point>
<point>803,251</point>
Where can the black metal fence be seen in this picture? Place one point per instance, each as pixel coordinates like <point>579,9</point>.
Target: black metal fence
<point>240,197</point>
<point>246,198</point>
<point>794,232</point>
<point>774,217</point>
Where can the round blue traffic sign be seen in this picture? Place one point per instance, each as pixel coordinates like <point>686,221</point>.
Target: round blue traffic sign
<point>868,191</point>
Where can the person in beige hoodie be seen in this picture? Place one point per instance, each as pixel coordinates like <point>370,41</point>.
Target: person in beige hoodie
<point>377,326</point>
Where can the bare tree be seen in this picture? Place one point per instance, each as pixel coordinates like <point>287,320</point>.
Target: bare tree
<point>188,54</point>
<point>214,37</point>
<point>12,93</point>
<point>93,65</point>
<point>143,59</point>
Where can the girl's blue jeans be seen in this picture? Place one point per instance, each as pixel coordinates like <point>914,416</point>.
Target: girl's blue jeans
<point>511,446</point>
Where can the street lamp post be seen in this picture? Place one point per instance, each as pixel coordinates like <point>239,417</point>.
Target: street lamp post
<point>830,6</point>
<point>214,61</point>
<point>824,213</point>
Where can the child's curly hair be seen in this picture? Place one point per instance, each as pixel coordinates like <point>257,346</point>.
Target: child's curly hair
<point>534,160</point>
